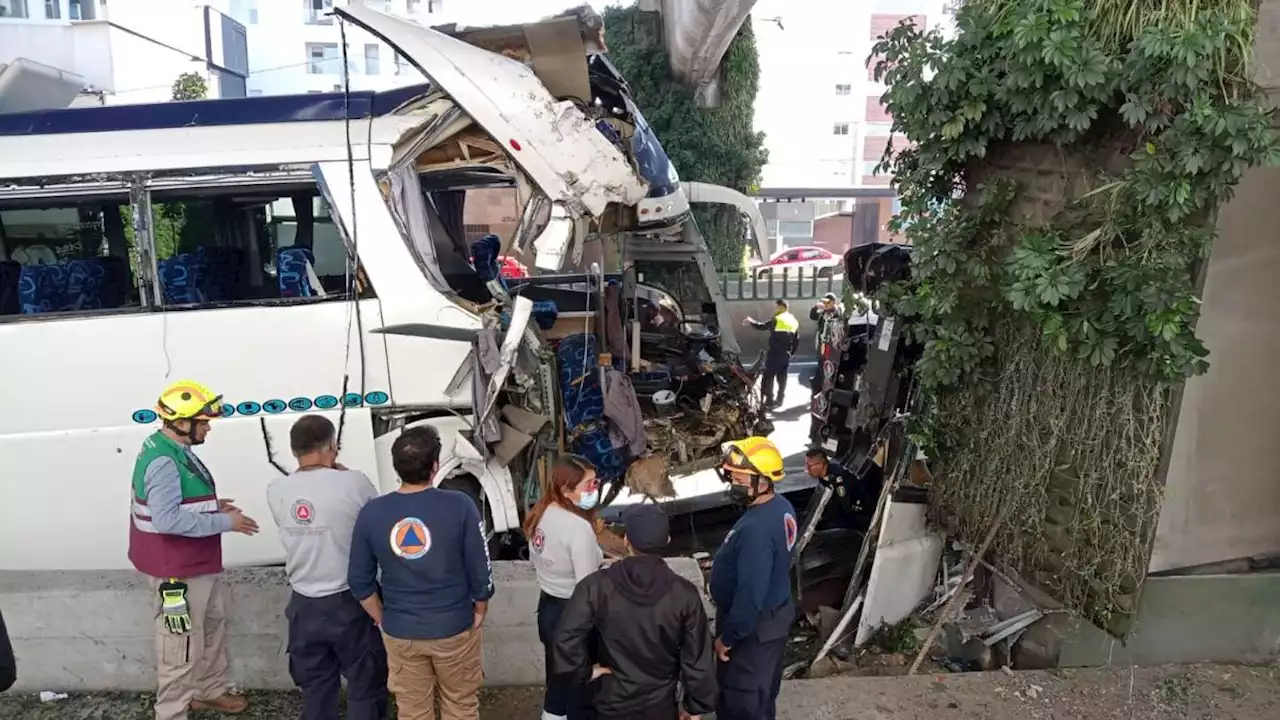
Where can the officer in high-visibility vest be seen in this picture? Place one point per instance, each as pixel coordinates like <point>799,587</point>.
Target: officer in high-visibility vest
<point>750,583</point>
<point>784,339</point>
<point>175,539</point>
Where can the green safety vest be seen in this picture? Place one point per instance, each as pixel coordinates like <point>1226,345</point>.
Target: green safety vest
<point>155,553</point>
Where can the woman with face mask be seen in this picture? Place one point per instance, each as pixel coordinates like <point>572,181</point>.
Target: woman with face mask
<point>561,529</point>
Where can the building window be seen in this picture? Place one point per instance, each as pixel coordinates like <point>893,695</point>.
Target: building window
<point>401,65</point>
<point>371,60</point>
<point>53,9</point>
<point>840,129</point>
<point>417,6</point>
<point>13,9</point>
<point>795,228</point>
<point>844,89</point>
<point>82,9</point>
<point>316,12</point>
<point>321,58</point>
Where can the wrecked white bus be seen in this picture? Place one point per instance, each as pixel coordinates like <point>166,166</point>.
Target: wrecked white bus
<point>308,254</point>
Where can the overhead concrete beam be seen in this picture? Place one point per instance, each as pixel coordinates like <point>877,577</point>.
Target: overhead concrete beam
<point>698,33</point>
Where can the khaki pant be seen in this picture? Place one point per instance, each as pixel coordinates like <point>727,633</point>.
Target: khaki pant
<point>193,665</point>
<point>417,667</point>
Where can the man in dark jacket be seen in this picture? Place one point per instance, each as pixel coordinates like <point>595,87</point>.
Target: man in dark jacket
<point>8,666</point>
<point>784,340</point>
<point>652,630</point>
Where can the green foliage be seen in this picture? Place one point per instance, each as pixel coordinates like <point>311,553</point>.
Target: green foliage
<point>190,86</point>
<point>1068,163</point>
<point>1109,276</point>
<point>714,145</point>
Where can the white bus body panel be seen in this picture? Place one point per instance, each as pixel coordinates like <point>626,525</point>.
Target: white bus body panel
<point>68,440</point>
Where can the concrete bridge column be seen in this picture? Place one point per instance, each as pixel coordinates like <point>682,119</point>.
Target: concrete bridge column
<point>698,33</point>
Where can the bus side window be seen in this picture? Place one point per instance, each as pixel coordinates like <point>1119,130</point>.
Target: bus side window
<point>67,254</point>
<point>223,245</point>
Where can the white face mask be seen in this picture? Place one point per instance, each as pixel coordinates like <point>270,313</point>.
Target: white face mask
<point>589,499</point>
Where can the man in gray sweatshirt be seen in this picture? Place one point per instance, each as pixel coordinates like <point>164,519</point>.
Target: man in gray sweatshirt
<point>330,634</point>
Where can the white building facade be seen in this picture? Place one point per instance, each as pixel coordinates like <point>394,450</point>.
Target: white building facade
<point>132,51</point>
<point>126,51</point>
<point>295,46</point>
<point>818,104</point>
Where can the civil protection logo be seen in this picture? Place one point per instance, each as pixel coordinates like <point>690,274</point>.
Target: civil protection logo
<point>410,538</point>
<point>303,512</point>
<point>539,541</point>
<point>789,524</point>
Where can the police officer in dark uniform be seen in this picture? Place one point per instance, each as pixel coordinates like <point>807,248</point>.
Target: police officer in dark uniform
<point>784,340</point>
<point>750,584</point>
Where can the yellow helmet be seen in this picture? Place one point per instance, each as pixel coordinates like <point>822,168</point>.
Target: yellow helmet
<point>755,455</point>
<point>188,400</point>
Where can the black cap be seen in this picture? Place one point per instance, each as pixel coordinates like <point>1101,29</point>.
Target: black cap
<point>647,527</point>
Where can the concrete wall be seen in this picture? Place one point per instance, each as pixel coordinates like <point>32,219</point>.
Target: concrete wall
<point>751,341</point>
<point>1221,495</point>
<point>1198,619</point>
<point>94,631</point>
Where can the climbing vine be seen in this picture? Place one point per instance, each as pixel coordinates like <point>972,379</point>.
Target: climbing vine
<point>715,145</point>
<point>1067,162</point>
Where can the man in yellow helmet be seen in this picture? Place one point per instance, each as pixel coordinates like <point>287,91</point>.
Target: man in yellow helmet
<point>750,583</point>
<point>784,340</point>
<point>175,539</point>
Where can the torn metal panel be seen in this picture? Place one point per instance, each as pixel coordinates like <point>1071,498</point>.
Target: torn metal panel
<point>552,141</point>
<point>553,242</point>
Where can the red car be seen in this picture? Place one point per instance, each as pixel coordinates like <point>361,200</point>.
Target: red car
<point>801,262</point>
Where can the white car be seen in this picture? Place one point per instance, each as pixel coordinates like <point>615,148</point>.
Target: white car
<point>801,262</point>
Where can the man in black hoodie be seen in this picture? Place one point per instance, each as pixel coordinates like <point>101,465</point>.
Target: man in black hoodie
<point>652,631</point>
<point>8,666</point>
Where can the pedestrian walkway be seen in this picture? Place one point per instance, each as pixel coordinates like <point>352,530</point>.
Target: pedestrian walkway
<point>1206,692</point>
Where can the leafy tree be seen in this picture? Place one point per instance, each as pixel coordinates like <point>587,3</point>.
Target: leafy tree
<point>715,145</point>
<point>190,86</point>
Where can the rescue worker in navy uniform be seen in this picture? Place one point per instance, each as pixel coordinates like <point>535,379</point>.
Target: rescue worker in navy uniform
<point>750,583</point>
<point>784,340</point>
<point>330,634</point>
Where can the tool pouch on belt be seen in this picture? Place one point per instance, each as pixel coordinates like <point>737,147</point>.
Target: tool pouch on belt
<point>173,606</point>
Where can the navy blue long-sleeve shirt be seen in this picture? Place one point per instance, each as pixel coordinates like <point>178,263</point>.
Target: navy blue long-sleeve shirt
<point>751,571</point>
<point>435,564</point>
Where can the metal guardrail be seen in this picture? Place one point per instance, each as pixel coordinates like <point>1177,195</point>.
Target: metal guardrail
<point>786,284</point>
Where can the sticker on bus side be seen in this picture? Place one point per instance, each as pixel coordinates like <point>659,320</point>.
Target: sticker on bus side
<point>275,406</point>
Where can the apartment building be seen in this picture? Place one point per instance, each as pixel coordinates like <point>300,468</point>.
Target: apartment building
<point>128,51</point>
<point>296,45</point>
<point>819,105</point>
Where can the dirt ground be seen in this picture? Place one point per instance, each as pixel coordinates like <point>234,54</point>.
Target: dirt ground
<point>1201,692</point>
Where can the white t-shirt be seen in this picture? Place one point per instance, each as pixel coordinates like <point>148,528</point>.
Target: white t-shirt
<point>563,550</point>
<point>316,511</point>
